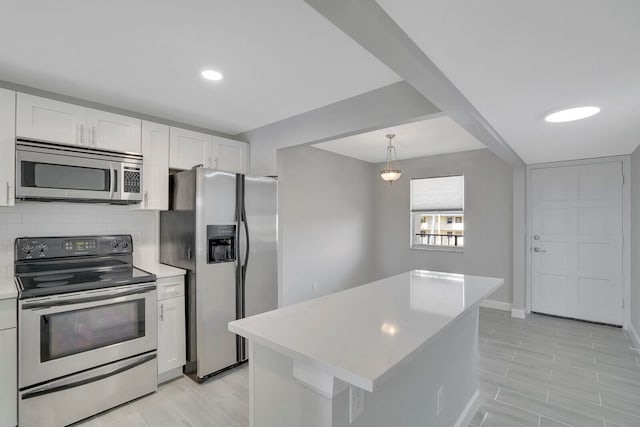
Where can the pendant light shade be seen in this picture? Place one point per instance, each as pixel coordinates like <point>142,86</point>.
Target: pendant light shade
<point>391,173</point>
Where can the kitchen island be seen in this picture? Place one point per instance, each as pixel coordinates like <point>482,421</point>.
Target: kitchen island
<point>396,352</point>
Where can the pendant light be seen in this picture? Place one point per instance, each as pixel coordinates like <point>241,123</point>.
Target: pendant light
<point>391,173</point>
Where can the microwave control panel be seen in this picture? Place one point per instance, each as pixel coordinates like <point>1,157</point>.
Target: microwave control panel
<point>131,180</point>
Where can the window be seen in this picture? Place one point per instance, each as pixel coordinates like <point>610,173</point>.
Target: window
<point>437,212</point>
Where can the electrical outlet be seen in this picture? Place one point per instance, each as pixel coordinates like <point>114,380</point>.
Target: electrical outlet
<point>356,403</point>
<point>440,401</point>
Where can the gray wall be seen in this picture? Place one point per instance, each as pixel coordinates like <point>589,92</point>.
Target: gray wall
<point>635,240</point>
<point>488,219</point>
<point>325,223</point>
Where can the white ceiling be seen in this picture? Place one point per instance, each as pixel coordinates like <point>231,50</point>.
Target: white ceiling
<point>430,137</point>
<point>280,58</point>
<point>516,60</point>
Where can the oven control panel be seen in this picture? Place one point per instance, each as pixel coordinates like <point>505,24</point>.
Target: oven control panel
<point>27,248</point>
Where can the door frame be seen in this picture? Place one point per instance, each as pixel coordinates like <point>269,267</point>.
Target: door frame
<point>626,226</point>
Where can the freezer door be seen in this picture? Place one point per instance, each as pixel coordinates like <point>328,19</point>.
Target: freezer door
<point>261,276</point>
<point>216,282</point>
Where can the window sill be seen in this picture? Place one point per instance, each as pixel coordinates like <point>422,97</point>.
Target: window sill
<point>437,248</point>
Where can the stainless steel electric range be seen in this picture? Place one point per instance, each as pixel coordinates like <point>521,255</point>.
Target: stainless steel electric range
<point>87,329</point>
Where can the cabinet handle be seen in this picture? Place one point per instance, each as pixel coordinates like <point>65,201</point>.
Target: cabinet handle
<point>146,199</point>
<point>162,312</point>
<point>8,187</point>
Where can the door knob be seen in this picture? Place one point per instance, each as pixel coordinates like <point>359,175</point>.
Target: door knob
<point>536,237</point>
<point>536,249</point>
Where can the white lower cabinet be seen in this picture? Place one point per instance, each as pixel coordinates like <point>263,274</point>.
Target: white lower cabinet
<point>8,364</point>
<point>171,327</point>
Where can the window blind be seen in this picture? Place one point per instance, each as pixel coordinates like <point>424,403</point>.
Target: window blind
<point>437,194</point>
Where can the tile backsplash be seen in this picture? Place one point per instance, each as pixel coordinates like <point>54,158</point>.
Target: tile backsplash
<point>76,219</point>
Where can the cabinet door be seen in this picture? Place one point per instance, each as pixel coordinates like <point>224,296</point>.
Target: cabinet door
<point>229,155</point>
<point>8,377</point>
<point>7,147</point>
<point>113,131</point>
<point>171,334</point>
<point>188,148</point>
<point>49,120</point>
<point>155,171</point>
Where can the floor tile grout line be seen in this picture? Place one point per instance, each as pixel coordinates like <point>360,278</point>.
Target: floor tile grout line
<point>519,408</point>
<point>484,418</point>
<point>144,423</point>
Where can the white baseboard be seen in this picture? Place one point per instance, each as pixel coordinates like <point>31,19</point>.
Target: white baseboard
<point>634,335</point>
<point>497,305</point>
<point>518,313</point>
<point>469,411</point>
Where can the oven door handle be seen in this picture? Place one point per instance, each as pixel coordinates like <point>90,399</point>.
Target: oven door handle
<point>40,391</point>
<point>101,297</point>
<point>112,175</point>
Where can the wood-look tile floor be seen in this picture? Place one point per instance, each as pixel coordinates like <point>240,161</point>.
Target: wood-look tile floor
<point>540,372</point>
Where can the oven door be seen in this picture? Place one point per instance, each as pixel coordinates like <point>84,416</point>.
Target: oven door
<point>64,334</point>
<point>56,174</point>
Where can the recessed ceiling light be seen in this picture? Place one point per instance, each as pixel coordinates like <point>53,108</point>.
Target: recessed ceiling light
<point>212,75</point>
<point>571,114</point>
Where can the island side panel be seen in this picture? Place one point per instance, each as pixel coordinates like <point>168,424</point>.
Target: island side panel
<point>406,397</point>
<point>279,399</point>
<point>409,396</point>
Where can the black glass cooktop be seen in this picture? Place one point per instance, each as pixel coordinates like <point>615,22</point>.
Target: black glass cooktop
<point>58,282</point>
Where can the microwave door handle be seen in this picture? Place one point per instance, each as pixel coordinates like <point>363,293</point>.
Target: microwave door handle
<point>112,175</point>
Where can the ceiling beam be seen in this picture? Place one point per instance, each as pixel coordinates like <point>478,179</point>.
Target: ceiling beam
<point>390,105</point>
<point>370,26</point>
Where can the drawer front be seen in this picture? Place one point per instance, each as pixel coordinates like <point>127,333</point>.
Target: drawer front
<point>8,313</point>
<point>170,287</point>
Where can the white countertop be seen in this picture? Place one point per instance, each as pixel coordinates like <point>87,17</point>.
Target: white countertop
<point>361,334</point>
<point>8,288</point>
<point>162,270</point>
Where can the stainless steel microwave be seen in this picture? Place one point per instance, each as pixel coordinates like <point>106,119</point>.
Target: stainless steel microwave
<point>47,171</point>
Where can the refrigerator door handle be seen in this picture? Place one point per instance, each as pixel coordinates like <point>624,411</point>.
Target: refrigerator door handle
<point>245,262</point>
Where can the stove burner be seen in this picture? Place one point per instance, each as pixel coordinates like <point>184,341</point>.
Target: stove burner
<point>52,278</point>
<point>52,284</point>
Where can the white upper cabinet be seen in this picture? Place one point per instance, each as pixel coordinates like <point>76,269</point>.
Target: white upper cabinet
<point>113,131</point>
<point>229,155</point>
<point>49,120</point>
<point>155,178</point>
<point>7,147</point>
<point>55,121</point>
<point>188,149</point>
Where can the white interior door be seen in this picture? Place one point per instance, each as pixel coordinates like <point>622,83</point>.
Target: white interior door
<point>576,241</point>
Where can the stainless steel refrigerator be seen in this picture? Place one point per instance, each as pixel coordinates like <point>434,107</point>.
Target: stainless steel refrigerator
<point>222,228</point>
